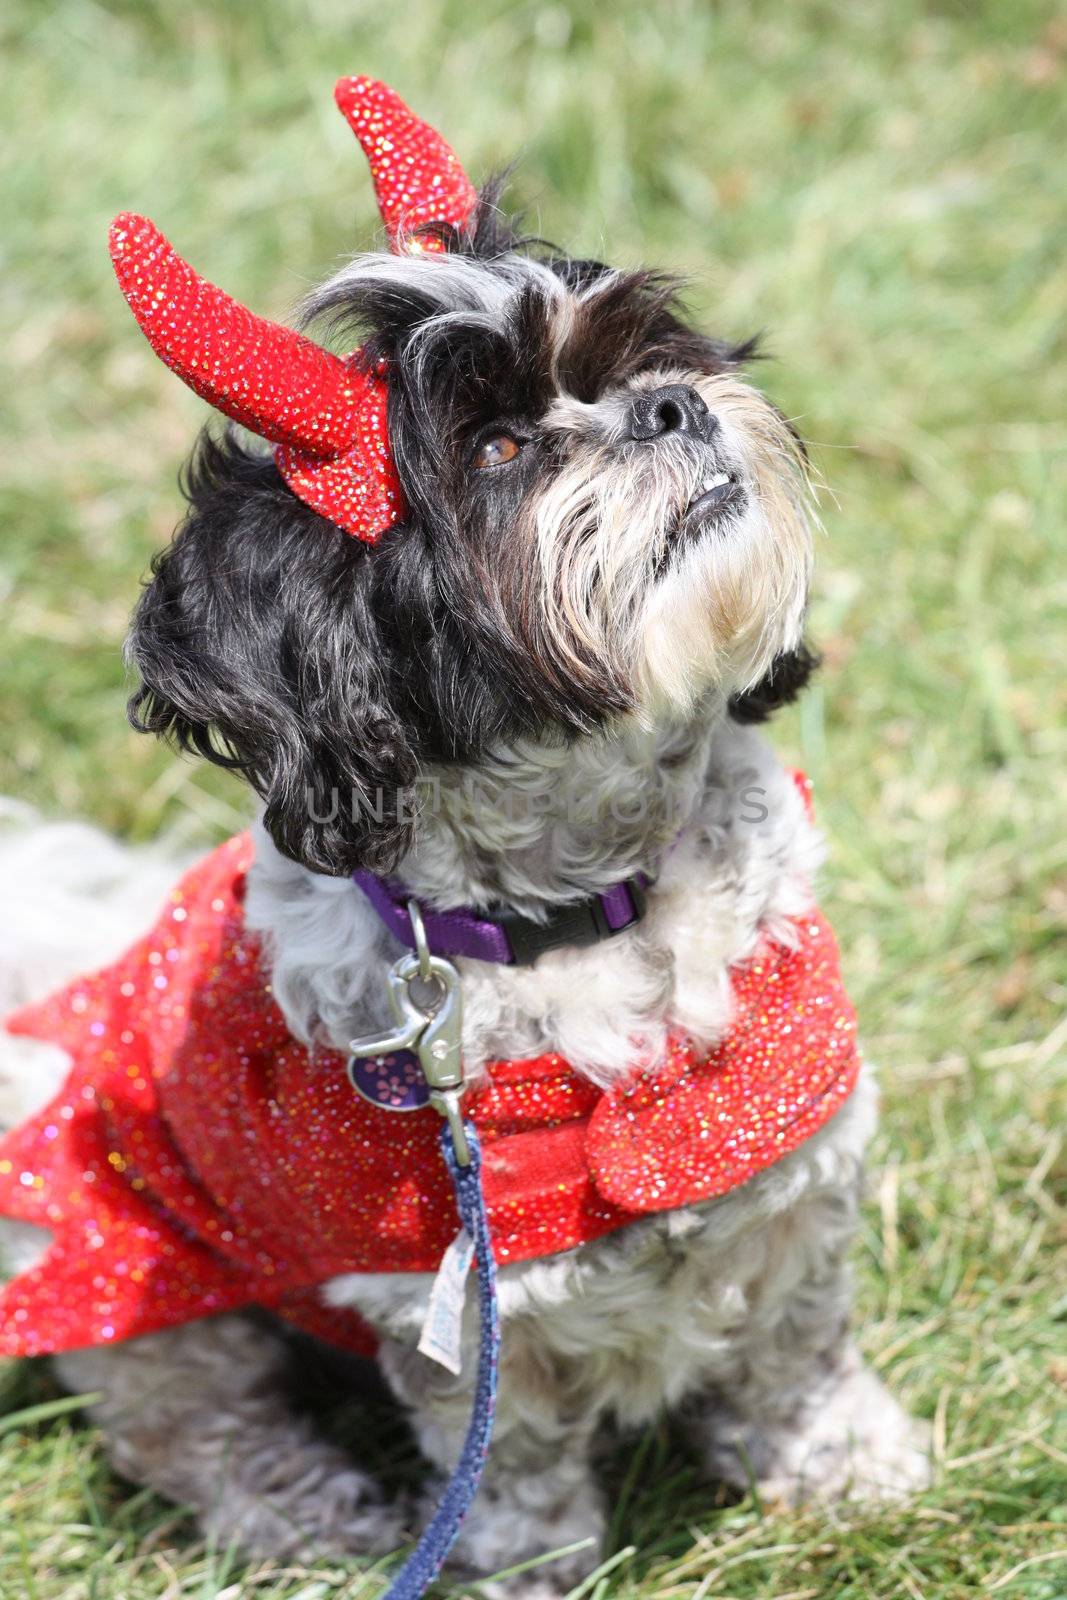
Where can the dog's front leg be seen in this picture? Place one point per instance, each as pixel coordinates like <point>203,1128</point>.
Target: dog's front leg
<point>794,1410</point>
<point>199,1413</point>
<point>837,1434</point>
<point>538,1492</point>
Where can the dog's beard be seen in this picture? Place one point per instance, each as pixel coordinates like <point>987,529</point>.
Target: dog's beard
<point>669,604</point>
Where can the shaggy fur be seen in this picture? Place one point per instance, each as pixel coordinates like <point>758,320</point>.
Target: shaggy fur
<point>535,687</point>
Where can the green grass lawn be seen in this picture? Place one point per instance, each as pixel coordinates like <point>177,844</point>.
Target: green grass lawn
<point>881,187</point>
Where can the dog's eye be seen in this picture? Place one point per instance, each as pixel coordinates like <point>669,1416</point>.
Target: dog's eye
<point>495,451</point>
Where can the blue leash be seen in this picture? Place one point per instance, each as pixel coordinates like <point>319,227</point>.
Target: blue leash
<point>423,1050</point>
<point>429,1555</point>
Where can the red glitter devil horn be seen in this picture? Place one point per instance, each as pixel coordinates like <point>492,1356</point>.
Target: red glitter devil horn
<point>417,176</point>
<point>266,377</point>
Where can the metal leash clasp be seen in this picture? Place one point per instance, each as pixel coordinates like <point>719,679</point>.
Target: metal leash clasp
<point>425,997</point>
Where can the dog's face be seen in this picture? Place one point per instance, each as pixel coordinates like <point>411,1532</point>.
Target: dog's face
<point>606,520</point>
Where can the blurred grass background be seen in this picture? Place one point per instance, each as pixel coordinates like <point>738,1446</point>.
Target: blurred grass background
<point>881,187</point>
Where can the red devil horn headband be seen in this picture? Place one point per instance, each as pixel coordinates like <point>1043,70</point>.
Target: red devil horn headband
<point>417,176</point>
<point>325,416</point>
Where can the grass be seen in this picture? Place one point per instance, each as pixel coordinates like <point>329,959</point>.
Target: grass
<point>880,185</point>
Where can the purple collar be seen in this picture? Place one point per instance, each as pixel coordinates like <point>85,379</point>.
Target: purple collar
<point>508,938</point>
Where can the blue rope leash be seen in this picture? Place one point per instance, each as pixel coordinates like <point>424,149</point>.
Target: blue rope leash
<point>429,1555</point>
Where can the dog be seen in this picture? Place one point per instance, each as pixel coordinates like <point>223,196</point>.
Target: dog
<point>502,646</point>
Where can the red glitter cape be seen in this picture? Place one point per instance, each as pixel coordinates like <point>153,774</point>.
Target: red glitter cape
<point>198,1159</point>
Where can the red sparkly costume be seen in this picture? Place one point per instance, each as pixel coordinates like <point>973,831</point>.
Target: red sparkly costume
<point>199,1159</point>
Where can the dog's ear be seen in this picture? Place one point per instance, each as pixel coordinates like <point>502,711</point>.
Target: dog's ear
<point>258,646</point>
<point>787,676</point>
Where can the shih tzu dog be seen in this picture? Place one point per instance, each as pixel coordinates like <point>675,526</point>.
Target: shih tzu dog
<point>488,631</point>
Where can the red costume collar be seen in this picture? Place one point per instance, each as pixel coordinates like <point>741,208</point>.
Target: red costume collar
<point>199,1159</point>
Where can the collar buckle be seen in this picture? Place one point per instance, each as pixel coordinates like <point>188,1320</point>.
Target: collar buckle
<point>580,924</point>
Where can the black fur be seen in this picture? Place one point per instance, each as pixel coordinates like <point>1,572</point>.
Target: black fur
<point>787,678</point>
<point>259,647</point>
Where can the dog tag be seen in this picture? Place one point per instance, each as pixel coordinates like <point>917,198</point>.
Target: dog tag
<point>395,1080</point>
<point>424,1044</point>
<point>442,1332</point>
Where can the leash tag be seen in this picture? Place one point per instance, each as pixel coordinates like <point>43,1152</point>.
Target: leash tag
<point>442,1332</point>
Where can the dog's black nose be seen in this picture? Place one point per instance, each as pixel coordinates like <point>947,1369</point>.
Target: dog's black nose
<point>676,408</point>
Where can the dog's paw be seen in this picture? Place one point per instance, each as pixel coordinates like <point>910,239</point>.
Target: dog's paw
<point>883,1456</point>
<point>850,1441</point>
<point>515,1520</point>
<point>330,1510</point>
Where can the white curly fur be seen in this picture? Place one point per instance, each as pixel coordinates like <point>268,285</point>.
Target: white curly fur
<point>726,875</point>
